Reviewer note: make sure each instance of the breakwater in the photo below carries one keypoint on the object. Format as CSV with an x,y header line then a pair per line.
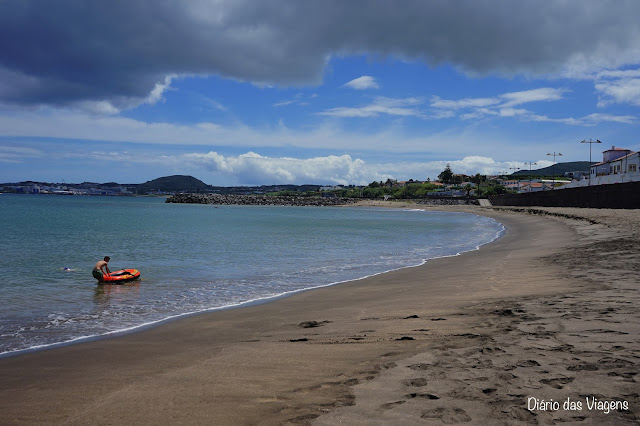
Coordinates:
x,y
258,200
448,201
266,200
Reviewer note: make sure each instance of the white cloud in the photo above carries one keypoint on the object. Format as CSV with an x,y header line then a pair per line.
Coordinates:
x,y
630,73
285,103
479,113
380,106
596,118
503,101
156,94
437,102
363,83
503,106
115,106
17,154
512,112
536,95
587,120
621,87
298,99
252,168
97,107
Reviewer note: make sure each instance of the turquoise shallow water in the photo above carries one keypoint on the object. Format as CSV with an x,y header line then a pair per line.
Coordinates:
x,y
193,258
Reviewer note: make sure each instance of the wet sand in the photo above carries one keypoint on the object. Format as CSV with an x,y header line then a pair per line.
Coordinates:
x,y
549,311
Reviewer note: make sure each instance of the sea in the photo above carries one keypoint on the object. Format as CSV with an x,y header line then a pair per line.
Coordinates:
x,y
193,258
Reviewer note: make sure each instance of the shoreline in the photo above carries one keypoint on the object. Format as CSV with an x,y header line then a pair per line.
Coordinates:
x,y
343,353
247,303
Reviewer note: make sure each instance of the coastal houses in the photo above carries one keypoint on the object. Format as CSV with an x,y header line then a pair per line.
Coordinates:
x,y
618,165
534,186
522,186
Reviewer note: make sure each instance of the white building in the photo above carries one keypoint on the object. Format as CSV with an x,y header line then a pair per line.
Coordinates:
x,y
618,165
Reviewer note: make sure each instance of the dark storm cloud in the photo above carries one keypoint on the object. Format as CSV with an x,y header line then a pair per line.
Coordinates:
x,y
68,51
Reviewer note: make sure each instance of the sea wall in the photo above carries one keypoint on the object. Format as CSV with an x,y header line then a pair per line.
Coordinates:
x,y
258,200
448,201
617,196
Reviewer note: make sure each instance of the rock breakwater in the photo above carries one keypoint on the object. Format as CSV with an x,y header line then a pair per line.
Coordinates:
x,y
258,200
448,201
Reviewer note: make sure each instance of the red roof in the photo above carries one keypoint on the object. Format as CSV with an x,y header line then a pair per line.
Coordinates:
x,y
617,159
616,149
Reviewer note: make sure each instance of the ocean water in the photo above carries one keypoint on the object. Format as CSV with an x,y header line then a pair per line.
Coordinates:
x,y
193,258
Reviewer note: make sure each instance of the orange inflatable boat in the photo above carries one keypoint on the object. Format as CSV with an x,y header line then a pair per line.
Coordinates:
x,y
121,276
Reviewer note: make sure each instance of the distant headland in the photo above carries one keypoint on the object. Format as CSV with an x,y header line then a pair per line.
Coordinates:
x,y
167,185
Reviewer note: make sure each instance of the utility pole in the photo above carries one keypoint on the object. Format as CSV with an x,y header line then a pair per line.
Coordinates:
x,y
530,163
590,142
553,168
517,182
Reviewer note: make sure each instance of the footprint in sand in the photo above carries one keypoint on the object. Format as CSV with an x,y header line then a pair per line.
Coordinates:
x,y
583,367
611,362
418,382
628,375
312,324
306,418
448,415
387,365
506,377
557,382
489,351
617,348
419,367
602,330
528,363
422,395
562,348
390,405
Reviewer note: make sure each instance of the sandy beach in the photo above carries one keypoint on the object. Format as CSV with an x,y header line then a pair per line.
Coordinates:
x,y
539,327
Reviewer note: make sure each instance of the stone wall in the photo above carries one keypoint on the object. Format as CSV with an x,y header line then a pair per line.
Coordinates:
x,y
616,196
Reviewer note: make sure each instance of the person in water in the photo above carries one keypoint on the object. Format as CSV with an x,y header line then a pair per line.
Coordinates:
x,y
101,269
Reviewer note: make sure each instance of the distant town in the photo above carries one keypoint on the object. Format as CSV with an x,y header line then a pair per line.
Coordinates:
x,y
453,185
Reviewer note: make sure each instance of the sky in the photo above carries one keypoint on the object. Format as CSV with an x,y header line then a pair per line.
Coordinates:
x,y
238,92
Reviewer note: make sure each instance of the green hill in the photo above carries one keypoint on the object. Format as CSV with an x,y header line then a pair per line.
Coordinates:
x,y
176,183
558,170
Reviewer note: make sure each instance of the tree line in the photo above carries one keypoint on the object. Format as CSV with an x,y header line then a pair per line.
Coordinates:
x,y
479,185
